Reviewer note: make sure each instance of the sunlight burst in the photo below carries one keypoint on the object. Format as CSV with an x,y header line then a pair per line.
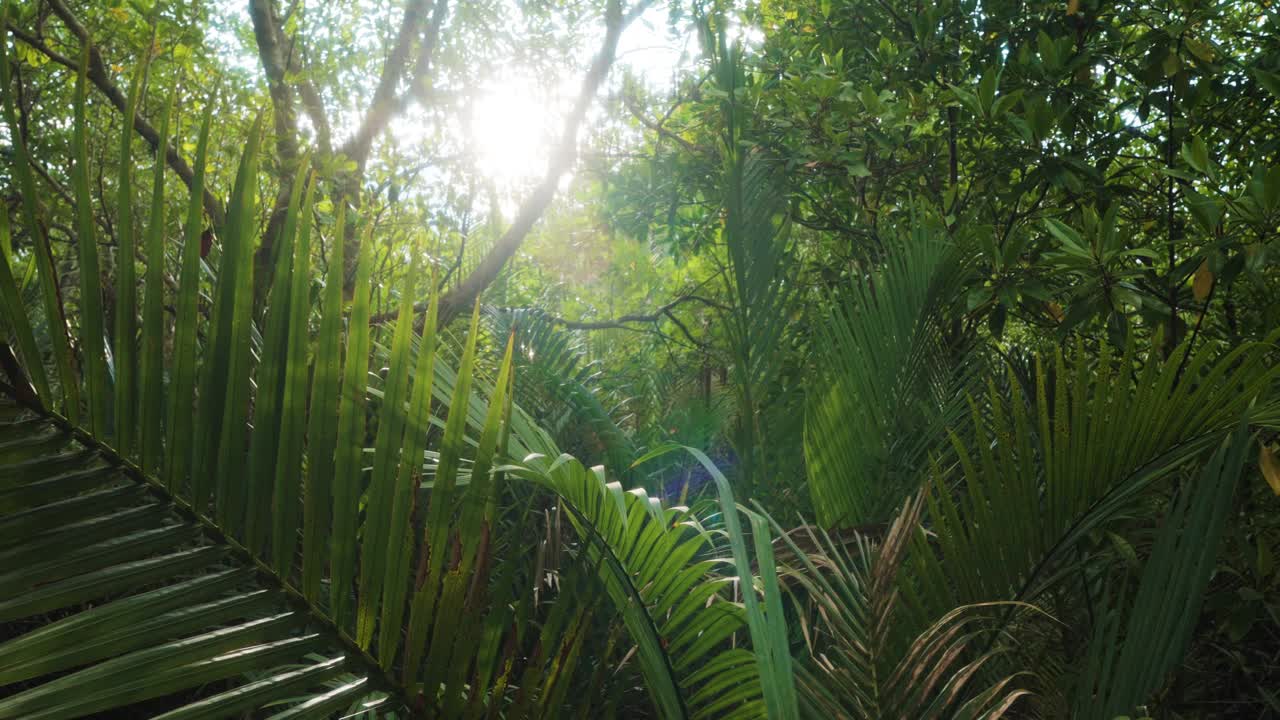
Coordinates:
x,y
510,131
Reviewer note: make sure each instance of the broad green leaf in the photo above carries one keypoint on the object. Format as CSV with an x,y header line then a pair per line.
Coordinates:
x,y
286,504
440,509
1070,239
18,321
125,625
254,501
1196,154
43,261
259,693
348,475
386,461
219,427
101,583
400,543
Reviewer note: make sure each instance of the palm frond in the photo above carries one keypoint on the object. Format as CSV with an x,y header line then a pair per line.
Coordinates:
x,y
889,390
1126,667
856,667
50,294
1040,476
654,562
126,320
756,236
202,579
555,381
143,597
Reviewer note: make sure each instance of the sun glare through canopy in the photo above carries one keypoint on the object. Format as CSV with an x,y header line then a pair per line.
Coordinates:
x,y
510,130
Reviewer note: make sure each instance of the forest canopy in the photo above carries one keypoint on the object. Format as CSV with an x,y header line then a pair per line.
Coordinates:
x,y
620,358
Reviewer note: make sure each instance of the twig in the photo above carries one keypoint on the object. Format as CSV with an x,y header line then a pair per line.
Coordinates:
x,y
101,80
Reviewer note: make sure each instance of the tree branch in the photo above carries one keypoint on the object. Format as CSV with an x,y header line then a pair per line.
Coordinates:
x,y
101,80
385,102
418,82
386,105
659,126
655,316
276,62
312,104
464,294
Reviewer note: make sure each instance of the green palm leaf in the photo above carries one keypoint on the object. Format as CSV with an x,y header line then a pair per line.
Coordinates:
x,y
188,586
855,665
1122,674
126,320
886,391
92,337
1019,500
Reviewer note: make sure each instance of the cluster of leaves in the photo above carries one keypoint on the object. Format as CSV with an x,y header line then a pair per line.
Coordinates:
x,y
200,496
970,188
987,290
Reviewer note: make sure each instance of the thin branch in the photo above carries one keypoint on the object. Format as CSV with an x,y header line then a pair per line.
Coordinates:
x,y
277,61
655,316
562,158
422,67
385,101
684,329
101,80
659,126
625,322
312,103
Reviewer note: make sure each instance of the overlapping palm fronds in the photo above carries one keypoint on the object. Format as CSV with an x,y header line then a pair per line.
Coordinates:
x,y
1040,476
857,666
555,380
241,537
1129,659
1014,494
1010,520
755,235
889,388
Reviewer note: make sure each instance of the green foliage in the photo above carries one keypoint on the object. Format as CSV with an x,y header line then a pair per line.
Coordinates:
x,y
757,258
1169,592
987,291
1039,477
196,581
889,390
854,665
43,259
555,382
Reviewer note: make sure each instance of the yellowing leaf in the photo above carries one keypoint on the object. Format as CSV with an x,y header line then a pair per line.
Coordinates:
x,y
1073,7
1199,48
1270,468
119,13
1203,281
1055,310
